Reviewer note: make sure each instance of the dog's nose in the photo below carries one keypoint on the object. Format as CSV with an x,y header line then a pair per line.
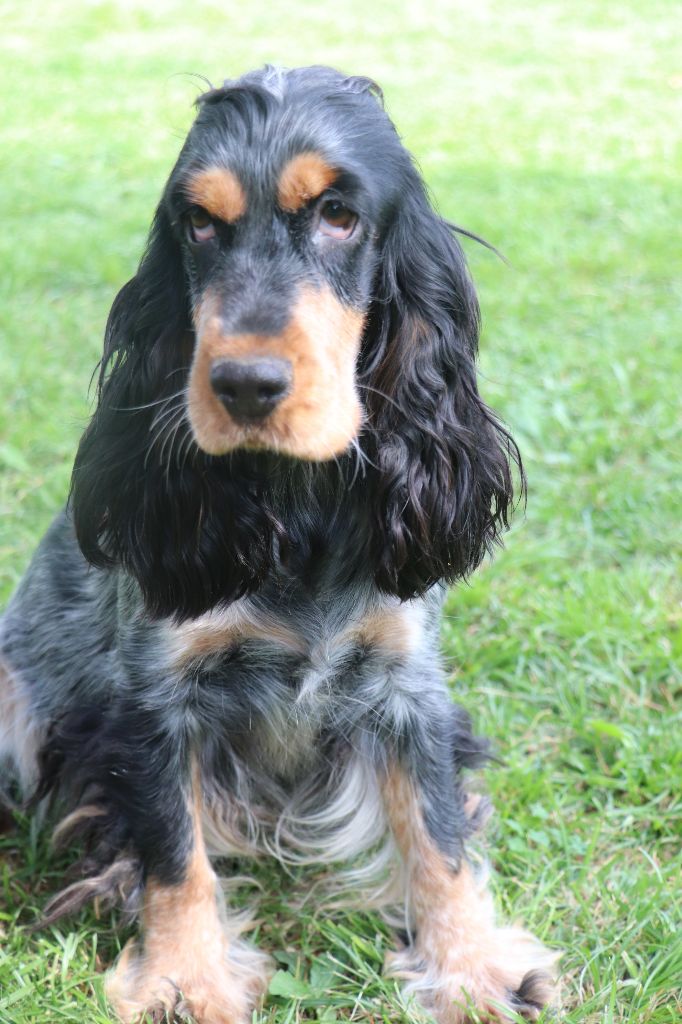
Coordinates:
x,y
251,388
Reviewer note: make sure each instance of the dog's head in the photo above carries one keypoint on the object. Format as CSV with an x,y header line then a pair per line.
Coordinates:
x,y
299,297
278,201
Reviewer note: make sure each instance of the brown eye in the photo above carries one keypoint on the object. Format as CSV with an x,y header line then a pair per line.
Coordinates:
x,y
336,220
200,226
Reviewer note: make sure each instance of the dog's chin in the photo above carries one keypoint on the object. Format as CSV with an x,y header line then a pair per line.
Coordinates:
x,y
263,439
302,429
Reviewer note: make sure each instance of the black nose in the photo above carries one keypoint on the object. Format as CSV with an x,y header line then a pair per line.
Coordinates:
x,y
251,388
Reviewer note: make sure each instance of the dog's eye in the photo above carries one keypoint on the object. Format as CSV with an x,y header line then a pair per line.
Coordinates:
x,y
200,227
336,220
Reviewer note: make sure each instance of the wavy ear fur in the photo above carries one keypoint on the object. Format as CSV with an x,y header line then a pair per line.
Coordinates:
x,y
142,495
144,331
196,530
443,487
143,339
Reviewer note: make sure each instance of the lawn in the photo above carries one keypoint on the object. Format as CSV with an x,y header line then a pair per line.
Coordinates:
x,y
552,129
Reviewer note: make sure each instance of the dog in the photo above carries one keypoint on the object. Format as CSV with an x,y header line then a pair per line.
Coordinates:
x,y
227,643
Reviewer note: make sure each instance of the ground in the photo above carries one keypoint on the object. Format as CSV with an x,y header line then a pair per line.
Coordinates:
x,y
551,129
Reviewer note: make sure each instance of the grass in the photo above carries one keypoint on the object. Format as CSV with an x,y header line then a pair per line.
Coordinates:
x,y
550,129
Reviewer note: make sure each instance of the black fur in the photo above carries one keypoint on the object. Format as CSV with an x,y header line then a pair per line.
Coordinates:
x,y
313,691
436,486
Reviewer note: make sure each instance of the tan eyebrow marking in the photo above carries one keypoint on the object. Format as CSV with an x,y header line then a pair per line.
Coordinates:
x,y
305,177
219,192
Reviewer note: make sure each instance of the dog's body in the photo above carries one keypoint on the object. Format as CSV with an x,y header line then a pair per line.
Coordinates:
x,y
230,638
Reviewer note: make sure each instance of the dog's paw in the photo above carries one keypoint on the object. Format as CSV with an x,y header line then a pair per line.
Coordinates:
x,y
508,974
207,986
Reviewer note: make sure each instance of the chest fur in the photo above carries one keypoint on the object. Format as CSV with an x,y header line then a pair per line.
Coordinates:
x,y
280,672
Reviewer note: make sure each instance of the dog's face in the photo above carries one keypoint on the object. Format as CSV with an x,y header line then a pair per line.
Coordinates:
x,y
278,216
300,334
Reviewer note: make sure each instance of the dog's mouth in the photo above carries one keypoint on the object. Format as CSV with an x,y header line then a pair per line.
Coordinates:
x,y
293,393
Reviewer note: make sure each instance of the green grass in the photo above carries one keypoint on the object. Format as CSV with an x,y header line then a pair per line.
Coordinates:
x,y
551,129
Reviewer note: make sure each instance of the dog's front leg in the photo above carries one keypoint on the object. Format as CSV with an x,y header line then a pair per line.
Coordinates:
x,y
458,962
189,956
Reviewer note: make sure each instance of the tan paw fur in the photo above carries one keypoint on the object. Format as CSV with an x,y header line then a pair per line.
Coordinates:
x,y
216,985
513,975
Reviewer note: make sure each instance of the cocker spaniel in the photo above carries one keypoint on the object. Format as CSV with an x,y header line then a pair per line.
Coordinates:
x,y
227,644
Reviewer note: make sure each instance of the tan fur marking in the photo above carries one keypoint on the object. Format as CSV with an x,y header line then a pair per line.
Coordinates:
x,y
466,958
302,179
321,415
394,629
217,631
219,192
190,959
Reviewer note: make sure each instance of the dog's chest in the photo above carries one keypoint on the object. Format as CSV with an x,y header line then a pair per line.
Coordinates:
x,y
283,670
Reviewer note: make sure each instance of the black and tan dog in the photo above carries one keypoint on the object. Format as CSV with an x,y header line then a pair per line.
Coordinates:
x,y
228,642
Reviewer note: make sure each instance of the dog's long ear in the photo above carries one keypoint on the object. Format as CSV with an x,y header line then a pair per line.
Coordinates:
x,y
144,352
443,480
188,528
